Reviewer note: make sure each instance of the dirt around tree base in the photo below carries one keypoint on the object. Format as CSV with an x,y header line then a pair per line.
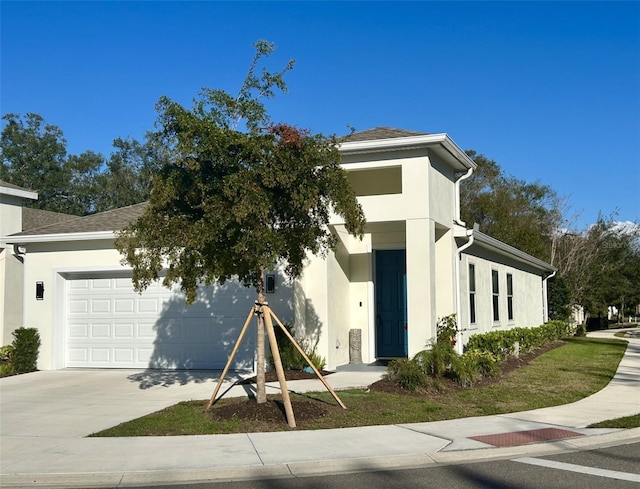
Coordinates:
x,y
271,412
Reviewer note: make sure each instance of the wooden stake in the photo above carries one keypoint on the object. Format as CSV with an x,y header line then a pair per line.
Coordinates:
x,y
275,352
304,355
233,354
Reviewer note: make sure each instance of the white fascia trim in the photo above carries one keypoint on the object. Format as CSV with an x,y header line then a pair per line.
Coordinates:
x,y
410,142
49,238
505,249
25,194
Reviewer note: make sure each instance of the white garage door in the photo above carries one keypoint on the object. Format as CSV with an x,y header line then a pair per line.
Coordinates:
x,y
110,325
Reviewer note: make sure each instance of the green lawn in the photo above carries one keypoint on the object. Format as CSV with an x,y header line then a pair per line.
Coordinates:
x,y
566,374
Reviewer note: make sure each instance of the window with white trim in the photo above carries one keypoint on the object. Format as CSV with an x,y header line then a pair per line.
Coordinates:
x,y
472,293
495,290
510,296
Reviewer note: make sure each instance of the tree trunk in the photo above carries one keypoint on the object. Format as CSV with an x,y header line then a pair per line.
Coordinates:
x,y
261,387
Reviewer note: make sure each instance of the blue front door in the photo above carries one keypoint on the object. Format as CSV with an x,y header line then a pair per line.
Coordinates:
x,y
391,303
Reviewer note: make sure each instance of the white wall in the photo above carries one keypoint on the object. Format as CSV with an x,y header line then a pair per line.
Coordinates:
x,y
51,263
11,280
527,295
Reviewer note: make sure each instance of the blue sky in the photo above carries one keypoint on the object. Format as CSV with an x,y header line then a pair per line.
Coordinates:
x,y
549,90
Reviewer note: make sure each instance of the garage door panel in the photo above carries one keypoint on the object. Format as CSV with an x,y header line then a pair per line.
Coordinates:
x,y
111,325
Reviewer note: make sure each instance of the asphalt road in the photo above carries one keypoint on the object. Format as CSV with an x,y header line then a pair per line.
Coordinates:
x,y
614,468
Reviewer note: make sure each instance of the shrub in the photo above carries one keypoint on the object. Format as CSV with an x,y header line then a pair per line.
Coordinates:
x,y
487,364
6,360
407,373
6,354
502,343
436,360
289,354
465,370
26,344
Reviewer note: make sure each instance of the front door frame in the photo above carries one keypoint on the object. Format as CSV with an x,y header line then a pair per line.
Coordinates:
x,y
401,349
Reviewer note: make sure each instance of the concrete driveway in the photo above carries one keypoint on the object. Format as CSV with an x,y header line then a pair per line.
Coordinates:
x,y
74,403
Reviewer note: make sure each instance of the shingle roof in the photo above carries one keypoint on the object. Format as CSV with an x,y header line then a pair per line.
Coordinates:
x,y
380,133
37,218
14,187
112,220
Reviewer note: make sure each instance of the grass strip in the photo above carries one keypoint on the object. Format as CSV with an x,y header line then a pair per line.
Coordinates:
x,y
579,368
625,422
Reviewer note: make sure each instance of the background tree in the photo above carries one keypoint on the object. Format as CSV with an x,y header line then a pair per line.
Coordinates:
x,y
238,195
601,266
524,215
126,178
34,156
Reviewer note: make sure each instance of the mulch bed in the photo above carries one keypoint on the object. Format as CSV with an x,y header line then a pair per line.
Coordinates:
x,y
445,384
271,415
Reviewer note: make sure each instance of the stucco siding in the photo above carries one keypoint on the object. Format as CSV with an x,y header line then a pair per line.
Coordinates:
x,y
441,191
66,261
528,310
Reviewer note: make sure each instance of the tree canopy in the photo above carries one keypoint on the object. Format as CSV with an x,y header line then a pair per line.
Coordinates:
x,y
34,156
235,203
522,214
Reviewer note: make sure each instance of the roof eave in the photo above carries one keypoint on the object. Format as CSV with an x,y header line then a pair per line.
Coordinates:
x,y
24,194
508,250
60,237
447,147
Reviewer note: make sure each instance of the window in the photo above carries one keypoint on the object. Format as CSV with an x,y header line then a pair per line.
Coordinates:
x,y
472,293
510,296
495,288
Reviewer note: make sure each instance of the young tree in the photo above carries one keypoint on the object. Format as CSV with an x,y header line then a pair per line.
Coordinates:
x,y
238,195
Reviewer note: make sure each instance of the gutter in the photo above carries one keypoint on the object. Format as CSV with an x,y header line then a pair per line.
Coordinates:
x,y
470,235
545,295
458,219
49,238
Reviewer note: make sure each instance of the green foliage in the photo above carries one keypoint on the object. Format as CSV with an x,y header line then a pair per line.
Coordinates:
x,y
6,353
559,299
26,345
289,354
524,215
408,373
231,203
436,360
34,156
447,329
6,360
501,344
601,265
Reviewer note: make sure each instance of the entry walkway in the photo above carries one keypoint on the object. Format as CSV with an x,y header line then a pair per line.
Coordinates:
x,y
46,416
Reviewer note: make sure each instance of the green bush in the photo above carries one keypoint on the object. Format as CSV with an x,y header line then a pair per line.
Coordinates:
x,y
436,360
407,373
6,360
289,354
26,344
501,344
6,354
465,370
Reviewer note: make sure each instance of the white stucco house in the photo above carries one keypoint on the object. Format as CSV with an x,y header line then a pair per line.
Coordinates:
x,y
417,263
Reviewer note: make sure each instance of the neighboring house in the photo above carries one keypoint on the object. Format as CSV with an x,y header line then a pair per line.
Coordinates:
x,y
417,263
14,218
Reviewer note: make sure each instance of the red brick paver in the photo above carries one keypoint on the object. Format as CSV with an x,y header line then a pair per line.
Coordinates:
x,y
523,437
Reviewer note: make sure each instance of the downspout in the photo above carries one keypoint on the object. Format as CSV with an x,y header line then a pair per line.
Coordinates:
x,y
545,298
457,190
459,251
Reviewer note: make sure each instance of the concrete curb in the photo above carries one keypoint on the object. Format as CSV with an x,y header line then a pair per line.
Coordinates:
x,y
309,469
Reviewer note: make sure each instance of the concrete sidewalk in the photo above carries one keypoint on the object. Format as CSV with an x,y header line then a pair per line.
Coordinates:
x,y
46,417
